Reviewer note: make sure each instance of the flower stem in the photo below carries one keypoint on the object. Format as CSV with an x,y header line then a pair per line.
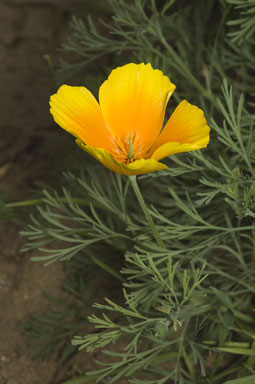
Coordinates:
x,y
146,211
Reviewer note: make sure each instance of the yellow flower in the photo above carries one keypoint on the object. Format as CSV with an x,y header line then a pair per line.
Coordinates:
x,y
123,131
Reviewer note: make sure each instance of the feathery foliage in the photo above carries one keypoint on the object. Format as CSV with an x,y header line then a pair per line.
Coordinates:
x,y
186,314
246,23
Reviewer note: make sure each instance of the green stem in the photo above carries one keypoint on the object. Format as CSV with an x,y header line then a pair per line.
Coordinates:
x,y
243,316
26,203
62,199
188,363
228,344
146,211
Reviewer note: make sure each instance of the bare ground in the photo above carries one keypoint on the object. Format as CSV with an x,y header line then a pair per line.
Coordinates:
x,y
28,153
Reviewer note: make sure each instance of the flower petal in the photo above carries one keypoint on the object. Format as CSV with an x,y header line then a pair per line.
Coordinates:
x,y
77,111
169,149
133,101
187,127
138,167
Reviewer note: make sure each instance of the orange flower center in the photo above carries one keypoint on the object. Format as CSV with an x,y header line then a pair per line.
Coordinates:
x,y
127,149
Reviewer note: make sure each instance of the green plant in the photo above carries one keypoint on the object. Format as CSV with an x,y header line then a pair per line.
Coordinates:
x,y
186,314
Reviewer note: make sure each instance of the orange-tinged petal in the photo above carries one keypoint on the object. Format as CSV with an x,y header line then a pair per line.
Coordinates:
x,y
77,111
138,167
186,130
133,102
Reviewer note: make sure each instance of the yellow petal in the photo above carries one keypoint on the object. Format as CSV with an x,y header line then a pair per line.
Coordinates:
x,y
169,149
133,102
187,125
76,110
138,167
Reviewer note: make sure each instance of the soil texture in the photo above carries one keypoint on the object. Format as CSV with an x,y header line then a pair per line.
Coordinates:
x,y
30,33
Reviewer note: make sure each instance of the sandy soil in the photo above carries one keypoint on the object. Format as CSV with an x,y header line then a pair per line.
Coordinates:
x,y
28,150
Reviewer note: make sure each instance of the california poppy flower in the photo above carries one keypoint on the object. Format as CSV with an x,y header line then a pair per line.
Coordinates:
x,y
124,130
